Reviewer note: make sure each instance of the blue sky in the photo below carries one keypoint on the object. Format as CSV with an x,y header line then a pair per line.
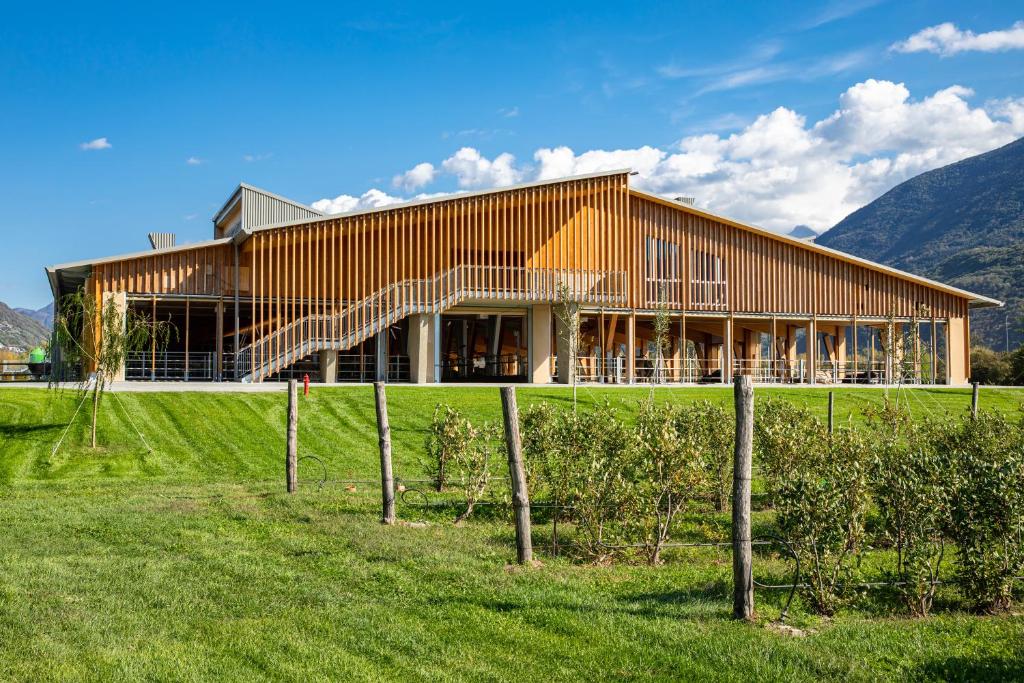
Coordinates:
x,y
778,113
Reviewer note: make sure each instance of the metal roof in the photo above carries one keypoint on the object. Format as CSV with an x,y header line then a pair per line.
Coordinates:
x,y
435,200
260,207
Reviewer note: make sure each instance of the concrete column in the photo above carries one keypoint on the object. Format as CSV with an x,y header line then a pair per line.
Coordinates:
x,y
421,348
841,331
328,366
121,302
382,355
631,348
540,344
958,353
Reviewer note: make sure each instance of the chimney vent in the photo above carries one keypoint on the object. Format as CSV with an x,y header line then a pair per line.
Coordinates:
x,y
689,201
161,240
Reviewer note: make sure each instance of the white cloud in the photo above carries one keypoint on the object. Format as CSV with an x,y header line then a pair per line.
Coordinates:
x,y
98,143
946,39
472,169
780,170
417,176
343,203
509,112
251,158
194,161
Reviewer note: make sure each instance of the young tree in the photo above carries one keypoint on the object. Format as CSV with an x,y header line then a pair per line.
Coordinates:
x,y
101,336
568,312
662,325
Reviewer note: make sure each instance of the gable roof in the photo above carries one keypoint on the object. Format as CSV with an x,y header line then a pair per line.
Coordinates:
x,y
974,300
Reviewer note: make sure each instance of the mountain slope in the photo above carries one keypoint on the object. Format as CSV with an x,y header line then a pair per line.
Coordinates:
x,y
962,224
17,329
43,315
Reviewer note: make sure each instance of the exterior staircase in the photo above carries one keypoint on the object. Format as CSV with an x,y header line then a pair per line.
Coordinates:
x,y
361,320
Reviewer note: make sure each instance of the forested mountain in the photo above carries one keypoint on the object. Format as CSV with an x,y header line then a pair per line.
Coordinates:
x,y
962,224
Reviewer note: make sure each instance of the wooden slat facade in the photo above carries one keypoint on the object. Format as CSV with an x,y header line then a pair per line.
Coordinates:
x,y
333,282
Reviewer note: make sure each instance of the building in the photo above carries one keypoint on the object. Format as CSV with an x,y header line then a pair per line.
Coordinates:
x,y
470,287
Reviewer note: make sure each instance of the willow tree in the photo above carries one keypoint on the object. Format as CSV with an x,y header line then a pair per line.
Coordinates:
x,y
100,336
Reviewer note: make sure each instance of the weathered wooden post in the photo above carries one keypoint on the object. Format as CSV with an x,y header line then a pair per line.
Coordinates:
x,y
831,412
517,474
291,469
974,400
387,478
742,571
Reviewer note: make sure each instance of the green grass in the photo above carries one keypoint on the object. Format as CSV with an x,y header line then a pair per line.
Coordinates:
x,y
189,563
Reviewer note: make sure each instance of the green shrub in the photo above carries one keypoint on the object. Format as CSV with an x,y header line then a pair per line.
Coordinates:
x,y
818,484
449,436
985,476
911,489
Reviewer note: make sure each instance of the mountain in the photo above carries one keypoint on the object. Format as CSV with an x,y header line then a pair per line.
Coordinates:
x,y
43,315
961,224
18,329
802,232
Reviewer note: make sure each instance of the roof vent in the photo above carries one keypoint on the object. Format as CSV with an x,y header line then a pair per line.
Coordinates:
x,y
161,240
689,201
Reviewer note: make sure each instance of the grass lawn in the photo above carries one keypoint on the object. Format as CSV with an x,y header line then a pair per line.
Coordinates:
x,y
188,562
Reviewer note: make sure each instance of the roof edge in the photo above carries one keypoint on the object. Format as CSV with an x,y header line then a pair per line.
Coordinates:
x,y
974,300
138,254
241,235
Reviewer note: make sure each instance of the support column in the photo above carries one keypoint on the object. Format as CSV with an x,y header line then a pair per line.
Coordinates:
x,y
382,355
220,340
958,363
812,351
421,348
790,349
727,351
565,369
328,366
631,348
540,344
121,302
841,332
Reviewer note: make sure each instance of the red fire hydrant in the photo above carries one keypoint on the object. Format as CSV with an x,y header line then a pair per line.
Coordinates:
x,y
305,384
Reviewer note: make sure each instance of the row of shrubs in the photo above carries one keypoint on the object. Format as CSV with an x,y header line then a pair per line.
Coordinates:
x,y
928,490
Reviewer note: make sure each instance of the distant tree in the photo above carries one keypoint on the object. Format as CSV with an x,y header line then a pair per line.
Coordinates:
x,y
992,367
101,336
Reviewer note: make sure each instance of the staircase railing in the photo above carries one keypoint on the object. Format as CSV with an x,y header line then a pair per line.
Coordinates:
x,y
362,319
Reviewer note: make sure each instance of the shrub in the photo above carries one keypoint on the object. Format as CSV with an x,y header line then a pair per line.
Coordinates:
x,y
472,465
912,494
985,476
671,462
450,435
819,486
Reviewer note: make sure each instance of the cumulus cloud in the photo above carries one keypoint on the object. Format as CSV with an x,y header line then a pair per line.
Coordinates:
x,y
343,203
417,176
98,143
472,169
780,170
946,39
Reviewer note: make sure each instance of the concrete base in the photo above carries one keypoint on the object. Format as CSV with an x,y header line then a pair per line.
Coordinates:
x,y
540,344
422,332
328,367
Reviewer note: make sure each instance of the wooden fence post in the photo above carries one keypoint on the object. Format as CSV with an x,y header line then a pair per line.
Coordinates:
x,y
974,400
831,412
517,474
291,456
742,570
387,478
